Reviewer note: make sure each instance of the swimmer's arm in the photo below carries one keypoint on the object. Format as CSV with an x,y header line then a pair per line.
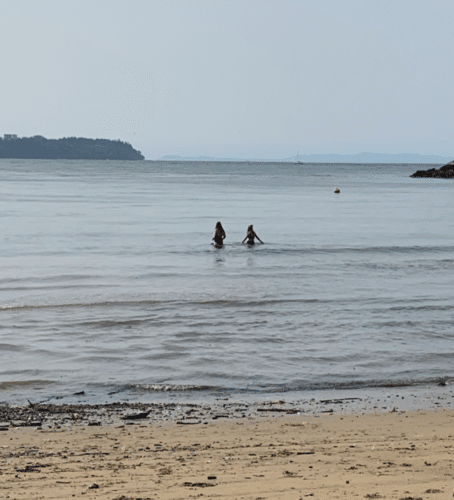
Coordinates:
x,y
244,239
259,239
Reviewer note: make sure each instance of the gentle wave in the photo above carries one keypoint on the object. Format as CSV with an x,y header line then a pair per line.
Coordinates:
x,y
80,304
225,303
281,388
302,388
271,248
22,384
171,388
232,303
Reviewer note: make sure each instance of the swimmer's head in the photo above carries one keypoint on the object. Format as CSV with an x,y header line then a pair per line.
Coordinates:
x,y
250,228
219,225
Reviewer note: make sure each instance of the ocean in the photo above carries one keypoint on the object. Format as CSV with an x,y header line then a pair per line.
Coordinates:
x,y
110,286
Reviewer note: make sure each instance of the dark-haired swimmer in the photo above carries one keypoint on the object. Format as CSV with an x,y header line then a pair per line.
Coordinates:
x,y
219,235
251,234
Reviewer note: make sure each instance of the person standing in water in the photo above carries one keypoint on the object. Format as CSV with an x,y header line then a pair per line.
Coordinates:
x,y
219,235
251,234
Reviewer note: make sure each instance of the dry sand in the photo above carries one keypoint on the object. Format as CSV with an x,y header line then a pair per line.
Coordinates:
x,y
394,455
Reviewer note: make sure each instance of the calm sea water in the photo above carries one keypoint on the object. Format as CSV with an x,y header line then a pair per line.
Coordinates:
x,y
109,282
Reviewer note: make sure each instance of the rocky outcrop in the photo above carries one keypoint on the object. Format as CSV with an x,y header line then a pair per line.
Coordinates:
x,y
445,172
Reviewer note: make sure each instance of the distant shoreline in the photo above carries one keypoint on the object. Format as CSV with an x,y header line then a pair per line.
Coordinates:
x,y
201,162
359,158
67,148
306,163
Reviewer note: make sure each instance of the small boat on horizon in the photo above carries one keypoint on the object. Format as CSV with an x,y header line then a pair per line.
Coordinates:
x,y
298,158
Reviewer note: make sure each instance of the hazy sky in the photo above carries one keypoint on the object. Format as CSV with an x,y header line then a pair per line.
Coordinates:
x,y
227,78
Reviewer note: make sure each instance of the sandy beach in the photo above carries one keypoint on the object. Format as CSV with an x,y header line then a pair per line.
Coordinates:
x,y
392,455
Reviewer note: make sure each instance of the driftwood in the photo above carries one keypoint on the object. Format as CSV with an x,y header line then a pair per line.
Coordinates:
x,y
136,416
283,410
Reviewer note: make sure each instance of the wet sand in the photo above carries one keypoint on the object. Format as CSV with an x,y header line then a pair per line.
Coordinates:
x,y
195,452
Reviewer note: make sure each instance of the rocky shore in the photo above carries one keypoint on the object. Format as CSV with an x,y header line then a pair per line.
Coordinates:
x,y
47,416
54,416
445,172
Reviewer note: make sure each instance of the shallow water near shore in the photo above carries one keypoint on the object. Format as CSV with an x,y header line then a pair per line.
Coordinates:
x,y
110,285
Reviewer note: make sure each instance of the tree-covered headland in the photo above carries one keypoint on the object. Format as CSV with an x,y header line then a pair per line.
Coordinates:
x,y
68,148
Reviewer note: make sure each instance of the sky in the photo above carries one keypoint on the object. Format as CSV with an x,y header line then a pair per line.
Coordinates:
x,y
228,78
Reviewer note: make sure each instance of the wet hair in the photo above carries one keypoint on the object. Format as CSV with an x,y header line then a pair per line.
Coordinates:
x,y
250,229
219,226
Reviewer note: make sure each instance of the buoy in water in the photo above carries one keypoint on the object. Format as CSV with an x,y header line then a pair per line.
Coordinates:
x,y
337,190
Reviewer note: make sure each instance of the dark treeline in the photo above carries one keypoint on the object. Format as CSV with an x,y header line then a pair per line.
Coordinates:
x,y
68,148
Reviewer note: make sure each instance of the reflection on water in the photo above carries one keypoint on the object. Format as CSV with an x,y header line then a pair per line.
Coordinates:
x,y
219,259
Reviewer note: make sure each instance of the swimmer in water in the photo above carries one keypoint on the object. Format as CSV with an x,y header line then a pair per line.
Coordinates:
x,y
251,234
219,235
